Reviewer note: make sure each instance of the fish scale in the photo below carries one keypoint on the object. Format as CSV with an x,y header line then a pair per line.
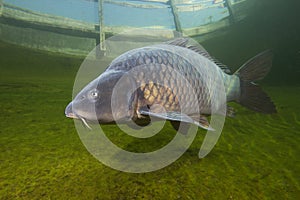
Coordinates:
x,y
180,77
169,77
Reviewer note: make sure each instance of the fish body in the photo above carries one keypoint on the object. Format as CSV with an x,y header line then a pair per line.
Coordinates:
x,y
173,81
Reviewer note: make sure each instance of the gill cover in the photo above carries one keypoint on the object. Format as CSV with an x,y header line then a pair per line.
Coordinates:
x,y
124,98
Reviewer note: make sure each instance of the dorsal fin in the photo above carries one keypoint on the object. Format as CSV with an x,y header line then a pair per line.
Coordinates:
x,y
184,42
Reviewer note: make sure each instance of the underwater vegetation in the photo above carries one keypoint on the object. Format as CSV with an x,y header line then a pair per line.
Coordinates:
x,y
256,157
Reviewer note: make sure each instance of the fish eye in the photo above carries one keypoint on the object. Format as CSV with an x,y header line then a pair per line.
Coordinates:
x,y
94,94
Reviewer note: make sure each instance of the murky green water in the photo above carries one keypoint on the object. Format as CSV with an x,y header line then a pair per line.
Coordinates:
x,y
257,156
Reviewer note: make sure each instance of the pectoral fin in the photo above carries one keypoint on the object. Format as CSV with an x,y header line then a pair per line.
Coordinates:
x,y
180,117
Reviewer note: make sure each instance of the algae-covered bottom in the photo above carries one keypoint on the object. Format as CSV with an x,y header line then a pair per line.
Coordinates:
x,y
42,157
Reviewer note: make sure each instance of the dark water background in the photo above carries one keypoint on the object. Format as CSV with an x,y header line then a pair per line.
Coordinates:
x,y
272,25
257,156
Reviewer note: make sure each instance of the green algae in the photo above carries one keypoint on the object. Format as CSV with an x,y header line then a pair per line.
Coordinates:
x,y
42,157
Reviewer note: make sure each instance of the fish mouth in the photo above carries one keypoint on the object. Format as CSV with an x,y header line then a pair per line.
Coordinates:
x,y
69,113
72,115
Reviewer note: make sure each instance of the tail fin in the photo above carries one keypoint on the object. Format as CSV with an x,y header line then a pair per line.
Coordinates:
x,y
252,96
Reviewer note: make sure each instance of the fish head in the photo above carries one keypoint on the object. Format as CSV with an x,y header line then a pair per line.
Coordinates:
x,y
98,102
